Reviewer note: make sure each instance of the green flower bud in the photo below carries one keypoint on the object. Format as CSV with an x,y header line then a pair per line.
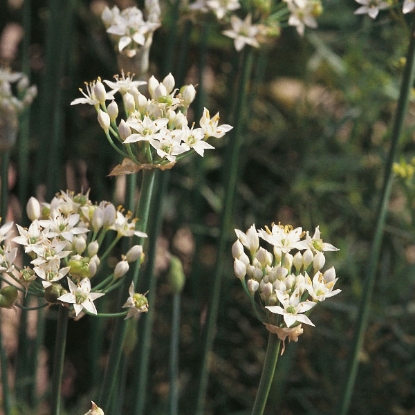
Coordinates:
x,y
79,268
176,275
8,296
53,292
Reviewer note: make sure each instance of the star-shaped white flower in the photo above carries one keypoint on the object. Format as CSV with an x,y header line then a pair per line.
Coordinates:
x,y
316,244
283,237
302,14
371,7
81,297
147,129
221,7
210,125
292,309
243,31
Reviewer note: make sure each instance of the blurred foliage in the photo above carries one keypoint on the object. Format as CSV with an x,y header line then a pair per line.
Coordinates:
x,y
314,147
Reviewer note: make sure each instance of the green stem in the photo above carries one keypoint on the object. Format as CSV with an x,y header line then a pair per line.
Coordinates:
x,y
372,269
230,186
270,363
174,356
58,359
116,348
4,375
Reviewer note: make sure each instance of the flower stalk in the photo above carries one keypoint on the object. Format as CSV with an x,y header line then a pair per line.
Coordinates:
x,y
372,268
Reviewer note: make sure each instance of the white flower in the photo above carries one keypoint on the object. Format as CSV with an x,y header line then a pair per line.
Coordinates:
x,y
283,237
193,138
408,6
90,97
136,303
302,14
221,7
63,226
124,227
51,271
210,125
316,244
31,237
7,259
167,146
6,231
249,239
95,410
371,7
322,285
123,83
292,308
147,129
243,32
81,297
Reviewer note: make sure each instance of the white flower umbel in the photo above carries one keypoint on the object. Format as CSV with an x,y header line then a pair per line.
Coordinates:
x,y
284,285
371,7
155,131
81,297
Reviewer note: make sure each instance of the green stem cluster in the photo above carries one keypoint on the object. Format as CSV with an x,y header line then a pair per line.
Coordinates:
x,y
372,269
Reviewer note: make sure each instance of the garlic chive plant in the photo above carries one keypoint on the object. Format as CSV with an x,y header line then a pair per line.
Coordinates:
x,y
65,244
153,132
284,284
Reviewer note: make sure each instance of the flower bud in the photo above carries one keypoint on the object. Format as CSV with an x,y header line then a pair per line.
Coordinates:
x,y
93,248
95,409
160,91
8,296
33,209
79,267
79,244
124,130
288,261
264,257
134,253
152,85
277,254
53,292
176,275
239,269
298,261
318,261
129,103
329,275
188,93
121,269
112,110
267,289
92,268
253,286
237,249
97,219
99,92
307,257
104,120
110,215
168,82
281,273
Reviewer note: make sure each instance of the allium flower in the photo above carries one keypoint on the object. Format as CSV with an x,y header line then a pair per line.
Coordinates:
x,y
222,7
371,7
243,31
210,125
136,303
408,6
128,28
81,297
303,13
6,231
95,410
286,284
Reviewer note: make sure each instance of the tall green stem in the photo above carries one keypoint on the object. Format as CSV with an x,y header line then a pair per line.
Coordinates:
x,y
230,186
268,370
111,372
4,196
363,316
58,359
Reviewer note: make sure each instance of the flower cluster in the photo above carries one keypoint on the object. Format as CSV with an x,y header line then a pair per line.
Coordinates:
x,y
286,284
65,244
15,95
155,131
372,7
297,13
128,29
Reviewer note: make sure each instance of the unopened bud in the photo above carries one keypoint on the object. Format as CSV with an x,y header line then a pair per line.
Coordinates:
x,y
104,120
112,110
8,295
253,286
318,261
95,410
99,92
79,244
129,103
124,130
93,248
168,82
33,209
121,269
134,253
176,275
237,249
239,269
160,91
298,261
152,85
188,93
53,292
307,257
